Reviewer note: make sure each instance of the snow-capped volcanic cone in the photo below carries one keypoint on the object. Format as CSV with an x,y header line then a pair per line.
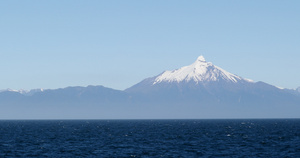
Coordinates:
x,y
199,71
200,75
203,82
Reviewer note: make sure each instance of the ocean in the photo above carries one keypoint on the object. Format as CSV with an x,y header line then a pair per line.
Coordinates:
x,y
150,138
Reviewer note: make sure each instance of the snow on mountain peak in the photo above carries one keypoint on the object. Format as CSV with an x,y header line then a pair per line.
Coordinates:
x,y
201,58
199,71
22,91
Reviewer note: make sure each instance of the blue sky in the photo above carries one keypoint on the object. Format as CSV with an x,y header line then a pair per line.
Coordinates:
x,y
60,43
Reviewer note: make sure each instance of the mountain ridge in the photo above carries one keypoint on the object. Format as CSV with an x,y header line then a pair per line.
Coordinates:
x,y
200,90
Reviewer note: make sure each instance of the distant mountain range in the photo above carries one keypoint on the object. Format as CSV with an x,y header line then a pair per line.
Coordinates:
x,y
200,90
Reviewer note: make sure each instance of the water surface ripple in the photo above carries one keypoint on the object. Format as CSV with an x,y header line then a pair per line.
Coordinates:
x,y
150,138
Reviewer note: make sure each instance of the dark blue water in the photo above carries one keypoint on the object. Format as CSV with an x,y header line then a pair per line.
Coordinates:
x,y
150,138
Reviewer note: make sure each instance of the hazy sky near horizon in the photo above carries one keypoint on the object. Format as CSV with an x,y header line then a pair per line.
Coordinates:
x,y
60,43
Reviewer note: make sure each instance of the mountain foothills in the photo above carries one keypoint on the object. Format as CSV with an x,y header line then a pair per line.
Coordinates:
x,y
200,90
